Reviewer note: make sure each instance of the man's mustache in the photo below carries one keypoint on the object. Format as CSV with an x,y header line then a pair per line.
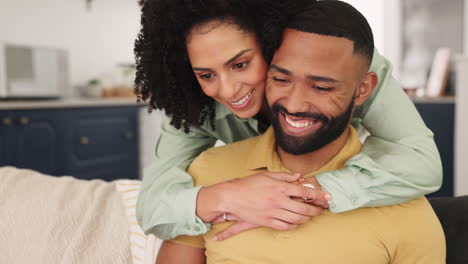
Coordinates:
x,y
318,116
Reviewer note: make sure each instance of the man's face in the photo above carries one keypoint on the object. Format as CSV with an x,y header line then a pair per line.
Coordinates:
x,y
312,84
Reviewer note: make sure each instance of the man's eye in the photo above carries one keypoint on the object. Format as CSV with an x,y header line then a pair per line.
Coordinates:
x,y
240,65
322,89
206,76
280,80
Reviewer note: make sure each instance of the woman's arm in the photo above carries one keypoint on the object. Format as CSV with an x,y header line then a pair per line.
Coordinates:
x,y
399,160
169,205
165,205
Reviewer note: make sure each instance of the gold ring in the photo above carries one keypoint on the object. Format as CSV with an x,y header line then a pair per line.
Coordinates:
x,y
308,185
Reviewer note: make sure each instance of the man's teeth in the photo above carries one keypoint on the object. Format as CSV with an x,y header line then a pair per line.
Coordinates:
x,y
298,124
243,99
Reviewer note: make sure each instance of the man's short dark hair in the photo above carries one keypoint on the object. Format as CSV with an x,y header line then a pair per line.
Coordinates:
x,y
337,19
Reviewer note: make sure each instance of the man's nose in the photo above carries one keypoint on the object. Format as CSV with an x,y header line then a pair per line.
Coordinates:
x,y
296,101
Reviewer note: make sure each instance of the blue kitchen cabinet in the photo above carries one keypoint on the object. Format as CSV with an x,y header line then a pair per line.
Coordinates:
x,y
102,143
87,143
35,140
5,123
29,140
440,118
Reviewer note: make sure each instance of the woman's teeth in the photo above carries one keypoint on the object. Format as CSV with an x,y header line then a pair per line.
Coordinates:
x,y
243,99
298,124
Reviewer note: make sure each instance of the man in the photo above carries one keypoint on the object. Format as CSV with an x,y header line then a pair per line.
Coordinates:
x,y
317,77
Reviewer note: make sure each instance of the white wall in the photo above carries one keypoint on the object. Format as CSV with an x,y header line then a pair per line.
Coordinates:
x,y
461,117
373,11
384,19
96,40
461,128
149,134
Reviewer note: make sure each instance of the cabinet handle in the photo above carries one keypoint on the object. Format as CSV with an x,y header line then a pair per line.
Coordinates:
x,y
24,120
84,140
128,135
6,122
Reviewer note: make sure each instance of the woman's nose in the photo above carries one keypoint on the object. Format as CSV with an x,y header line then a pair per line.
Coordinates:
x,y
228,88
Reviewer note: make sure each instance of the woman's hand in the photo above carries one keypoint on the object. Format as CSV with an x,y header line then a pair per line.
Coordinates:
x,y
241,226
233,230
263,199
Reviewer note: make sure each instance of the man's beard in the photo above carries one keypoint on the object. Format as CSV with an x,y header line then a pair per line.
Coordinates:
x,y
330,130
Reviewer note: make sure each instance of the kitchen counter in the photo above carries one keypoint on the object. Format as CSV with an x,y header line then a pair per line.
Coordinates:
x,y
69,103
434,100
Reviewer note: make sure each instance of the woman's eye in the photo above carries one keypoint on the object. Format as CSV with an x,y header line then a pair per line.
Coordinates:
x,y
240,65
206,76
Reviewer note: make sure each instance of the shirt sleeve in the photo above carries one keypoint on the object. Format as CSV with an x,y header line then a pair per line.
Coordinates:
x,y
166,205
399,160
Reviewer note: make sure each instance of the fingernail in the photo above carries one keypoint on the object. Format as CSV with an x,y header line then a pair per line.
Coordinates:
x,y
215,238
296,174
327,196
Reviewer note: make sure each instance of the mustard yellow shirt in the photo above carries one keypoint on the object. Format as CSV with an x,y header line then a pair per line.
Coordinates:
x,y
406,233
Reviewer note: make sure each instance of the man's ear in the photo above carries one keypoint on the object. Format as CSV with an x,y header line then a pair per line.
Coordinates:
x,y
366,87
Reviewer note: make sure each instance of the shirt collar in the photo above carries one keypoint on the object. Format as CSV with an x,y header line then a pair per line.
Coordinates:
x,y
222,111
264,155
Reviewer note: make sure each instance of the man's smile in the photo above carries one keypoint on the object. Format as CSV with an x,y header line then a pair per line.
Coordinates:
x,y
298,125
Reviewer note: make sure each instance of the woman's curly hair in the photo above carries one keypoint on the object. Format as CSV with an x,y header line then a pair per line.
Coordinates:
x,y
164,74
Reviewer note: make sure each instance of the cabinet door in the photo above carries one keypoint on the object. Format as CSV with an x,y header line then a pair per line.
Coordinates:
x,y
103,143
439,117
5,127
35,142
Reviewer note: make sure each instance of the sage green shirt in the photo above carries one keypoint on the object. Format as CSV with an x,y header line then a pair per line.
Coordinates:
x,y
399,161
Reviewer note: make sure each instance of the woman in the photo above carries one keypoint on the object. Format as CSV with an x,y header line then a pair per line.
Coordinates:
x,y
204,62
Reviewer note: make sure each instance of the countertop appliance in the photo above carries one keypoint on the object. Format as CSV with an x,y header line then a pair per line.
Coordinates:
x,y
28,72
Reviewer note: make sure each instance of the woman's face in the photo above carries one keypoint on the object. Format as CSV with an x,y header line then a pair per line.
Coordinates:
x,y
229,66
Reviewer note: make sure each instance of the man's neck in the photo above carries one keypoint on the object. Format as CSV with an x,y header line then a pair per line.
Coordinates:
x,y
313,161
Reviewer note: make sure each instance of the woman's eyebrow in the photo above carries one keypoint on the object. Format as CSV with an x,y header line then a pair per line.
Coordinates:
x,y
201,69
240,53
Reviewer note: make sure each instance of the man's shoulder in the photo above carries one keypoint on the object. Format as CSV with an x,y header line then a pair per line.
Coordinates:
x,y
410,210
414,218
416,226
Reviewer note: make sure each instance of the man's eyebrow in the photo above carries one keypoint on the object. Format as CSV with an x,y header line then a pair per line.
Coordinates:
x,y
310,77
321,79
240,53
281,70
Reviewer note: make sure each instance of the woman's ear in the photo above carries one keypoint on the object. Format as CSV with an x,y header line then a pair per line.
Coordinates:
x,y
366,87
